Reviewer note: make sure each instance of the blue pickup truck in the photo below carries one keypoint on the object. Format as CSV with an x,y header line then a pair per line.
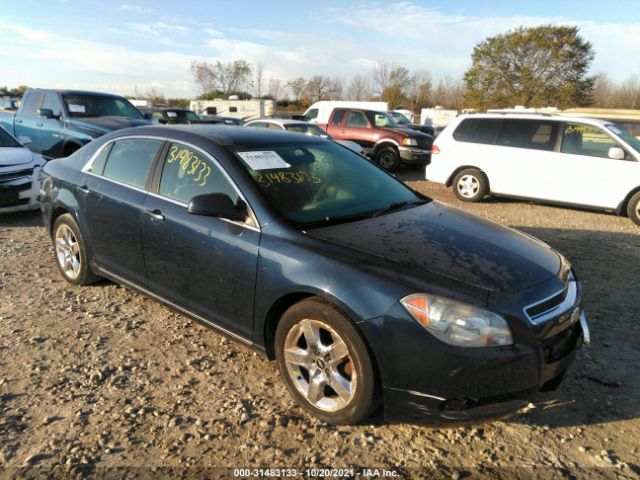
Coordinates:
x,y
55,123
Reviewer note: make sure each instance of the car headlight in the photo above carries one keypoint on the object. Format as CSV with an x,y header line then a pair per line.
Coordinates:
x,y
458,323
410,141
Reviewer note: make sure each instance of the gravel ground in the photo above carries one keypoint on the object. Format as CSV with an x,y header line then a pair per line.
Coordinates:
x,y
100,381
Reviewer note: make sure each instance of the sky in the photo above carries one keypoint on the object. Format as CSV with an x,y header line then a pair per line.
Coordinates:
x,y
124,46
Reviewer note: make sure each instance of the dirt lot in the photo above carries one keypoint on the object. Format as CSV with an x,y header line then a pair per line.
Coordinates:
x,y
102,381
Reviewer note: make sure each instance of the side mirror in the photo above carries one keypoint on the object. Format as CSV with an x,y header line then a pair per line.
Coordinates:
x,y
617,153
146,115
218,205
46,113
162,121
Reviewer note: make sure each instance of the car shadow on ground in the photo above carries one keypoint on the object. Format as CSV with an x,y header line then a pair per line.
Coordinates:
x,y
21,219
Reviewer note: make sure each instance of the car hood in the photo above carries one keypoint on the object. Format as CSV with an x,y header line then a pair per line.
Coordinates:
x,y
450,243
410,132
10,156
108,124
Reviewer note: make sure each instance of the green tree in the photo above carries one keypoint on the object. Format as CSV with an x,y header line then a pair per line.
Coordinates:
x,y
535,67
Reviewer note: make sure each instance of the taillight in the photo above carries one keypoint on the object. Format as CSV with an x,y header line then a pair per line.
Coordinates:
x,y
435,149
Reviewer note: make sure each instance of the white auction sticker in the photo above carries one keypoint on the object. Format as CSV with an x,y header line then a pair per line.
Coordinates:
x,y
172,114
73,108
267,160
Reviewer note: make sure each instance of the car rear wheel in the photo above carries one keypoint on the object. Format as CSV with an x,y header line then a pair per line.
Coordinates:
x,y
633,208
325,363
387,158
470,185
71,254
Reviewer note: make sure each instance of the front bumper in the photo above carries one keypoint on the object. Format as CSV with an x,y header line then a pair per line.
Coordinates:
x,y
428,381
415,155
19,189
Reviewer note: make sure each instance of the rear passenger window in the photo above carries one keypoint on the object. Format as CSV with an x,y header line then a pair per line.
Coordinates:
x,y
532,134
356,119
188,172
130,160
477,130
97,166
337,117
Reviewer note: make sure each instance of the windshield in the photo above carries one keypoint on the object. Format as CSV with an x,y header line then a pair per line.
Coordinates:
x,y
625,135
382,119
322,183
99,106
7,140
307,129
400,118
181,116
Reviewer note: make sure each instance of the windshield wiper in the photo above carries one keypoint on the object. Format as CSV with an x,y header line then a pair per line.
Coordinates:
x,y
395,206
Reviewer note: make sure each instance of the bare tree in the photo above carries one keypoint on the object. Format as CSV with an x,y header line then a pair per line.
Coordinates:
x,y
419,90
319,87
382,76
204,74
275,87
359,88
259,78
297,87
233,76
337,88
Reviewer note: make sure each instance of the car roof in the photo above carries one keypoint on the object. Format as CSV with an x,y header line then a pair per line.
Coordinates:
x,y
222,135
280,121
75,92
538,116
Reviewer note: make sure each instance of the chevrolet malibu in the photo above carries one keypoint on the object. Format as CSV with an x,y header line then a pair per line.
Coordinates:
x,y
365,292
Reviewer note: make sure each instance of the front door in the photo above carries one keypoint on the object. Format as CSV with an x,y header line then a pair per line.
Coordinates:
x,y
203,264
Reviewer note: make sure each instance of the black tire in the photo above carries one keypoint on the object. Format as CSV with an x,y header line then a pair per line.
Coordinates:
x,y
354,370
633,208
70,251
470,185
387,158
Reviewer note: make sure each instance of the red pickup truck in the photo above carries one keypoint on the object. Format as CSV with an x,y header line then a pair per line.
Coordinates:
x,y
381,137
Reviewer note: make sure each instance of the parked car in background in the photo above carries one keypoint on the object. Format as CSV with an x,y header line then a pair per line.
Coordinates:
x,y
19,170
8,103
568,160
217,119
381,137
178,116
301,127
56,123
363,291
320,112
404,122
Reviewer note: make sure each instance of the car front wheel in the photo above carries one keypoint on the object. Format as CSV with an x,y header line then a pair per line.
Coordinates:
x,y
388,158
325,363
470,185
71,253
633,209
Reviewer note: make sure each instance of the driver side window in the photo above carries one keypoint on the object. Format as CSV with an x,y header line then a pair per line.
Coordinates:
x,y
187,173
583,139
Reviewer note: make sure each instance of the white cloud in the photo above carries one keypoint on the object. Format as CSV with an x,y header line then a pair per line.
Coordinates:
x,y
136,9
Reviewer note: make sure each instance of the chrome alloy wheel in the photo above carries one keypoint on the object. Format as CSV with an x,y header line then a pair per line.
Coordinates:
x,y
468,186
319,363
68,251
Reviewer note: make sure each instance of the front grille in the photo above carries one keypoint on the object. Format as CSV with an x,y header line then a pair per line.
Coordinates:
x,y
562,344
425,143
15,174
551,307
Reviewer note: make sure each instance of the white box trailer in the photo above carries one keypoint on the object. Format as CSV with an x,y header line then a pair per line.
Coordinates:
x,y
320,112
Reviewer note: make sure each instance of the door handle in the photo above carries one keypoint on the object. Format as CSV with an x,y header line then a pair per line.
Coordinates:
x,y
155,215
39,124
84,189
18,120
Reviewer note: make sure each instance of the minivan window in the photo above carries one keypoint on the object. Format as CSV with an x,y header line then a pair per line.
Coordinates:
x,y
583,139
532,134
130,160
477,130
187,173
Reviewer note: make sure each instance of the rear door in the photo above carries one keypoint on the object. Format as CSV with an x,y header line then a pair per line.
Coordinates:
x,y
27,119
50,136
203,264
114,191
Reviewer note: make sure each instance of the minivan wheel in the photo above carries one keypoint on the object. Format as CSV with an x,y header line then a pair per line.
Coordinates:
x,y
470,185
388,158
325,363
633,208
71,254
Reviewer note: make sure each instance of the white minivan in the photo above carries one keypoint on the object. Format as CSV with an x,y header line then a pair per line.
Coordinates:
x,y
576,161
